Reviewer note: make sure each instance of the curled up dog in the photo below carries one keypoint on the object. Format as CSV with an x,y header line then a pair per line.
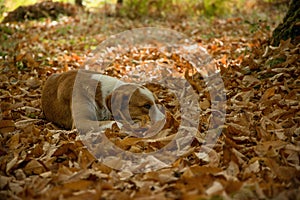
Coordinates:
x,y
97,101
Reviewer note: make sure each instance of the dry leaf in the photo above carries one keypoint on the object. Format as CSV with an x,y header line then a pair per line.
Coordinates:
x,y
34,167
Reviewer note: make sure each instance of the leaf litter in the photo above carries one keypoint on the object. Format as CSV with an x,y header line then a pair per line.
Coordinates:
x,y
256,156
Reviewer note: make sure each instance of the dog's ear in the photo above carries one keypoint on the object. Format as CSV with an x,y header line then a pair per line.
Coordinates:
x,y
108,102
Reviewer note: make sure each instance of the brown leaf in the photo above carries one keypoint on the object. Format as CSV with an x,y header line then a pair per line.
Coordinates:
x,y
85,158
14,141
282,172
6,126
270,148
34,167
33,83
78,185
268,93
4,180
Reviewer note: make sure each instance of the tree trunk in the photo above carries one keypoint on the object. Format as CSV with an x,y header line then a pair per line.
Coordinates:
x,y
118,7
78,3
290,27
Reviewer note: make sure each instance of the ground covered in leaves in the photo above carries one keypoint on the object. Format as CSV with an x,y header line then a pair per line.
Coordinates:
x,y
255,157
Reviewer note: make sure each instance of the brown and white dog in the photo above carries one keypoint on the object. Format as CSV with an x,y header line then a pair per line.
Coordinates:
x,y
95,100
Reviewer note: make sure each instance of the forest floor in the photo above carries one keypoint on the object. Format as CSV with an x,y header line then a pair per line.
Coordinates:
x,y
256,155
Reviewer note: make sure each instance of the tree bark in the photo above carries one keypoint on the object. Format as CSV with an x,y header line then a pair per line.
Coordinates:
x,y
78,3
290,27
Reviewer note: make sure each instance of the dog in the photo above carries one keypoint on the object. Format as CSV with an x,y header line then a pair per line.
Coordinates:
x,y
97,101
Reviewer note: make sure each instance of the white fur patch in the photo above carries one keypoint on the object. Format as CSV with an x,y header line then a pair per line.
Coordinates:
x,y
108,84
96,76
147,93
156,114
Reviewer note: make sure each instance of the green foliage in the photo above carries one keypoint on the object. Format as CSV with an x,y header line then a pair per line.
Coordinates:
x,y
94,4
5,30
20,65
152,8
2,9
276,61
221,7
188,7
141,8
12,5
32,115
162,8
7,6
258,26
270,1
213,7
64,30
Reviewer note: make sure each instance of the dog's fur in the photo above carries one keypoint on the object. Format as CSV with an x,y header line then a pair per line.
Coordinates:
x,y
92,100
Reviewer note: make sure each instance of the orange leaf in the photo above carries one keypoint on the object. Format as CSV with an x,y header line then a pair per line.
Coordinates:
x,y
268,93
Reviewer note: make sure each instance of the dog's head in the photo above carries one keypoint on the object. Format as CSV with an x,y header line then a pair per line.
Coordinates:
x,y
134,104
